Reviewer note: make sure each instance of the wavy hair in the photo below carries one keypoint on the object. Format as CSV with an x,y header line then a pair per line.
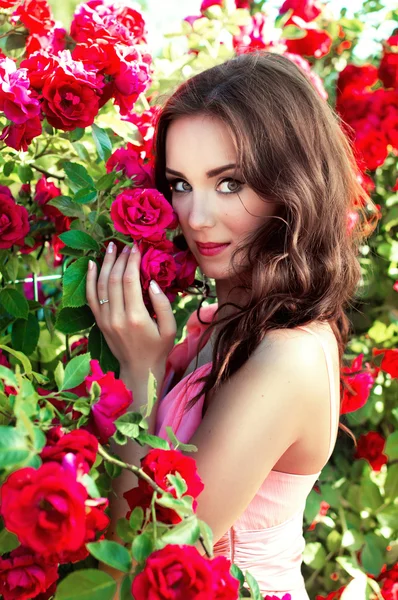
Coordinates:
x,y
291,150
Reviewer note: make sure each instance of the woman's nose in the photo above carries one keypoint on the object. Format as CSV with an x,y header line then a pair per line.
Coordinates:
x,y
201,214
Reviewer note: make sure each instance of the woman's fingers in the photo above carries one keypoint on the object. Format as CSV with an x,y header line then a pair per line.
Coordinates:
x,y
135,307
91,289
164,313
103,279
115,289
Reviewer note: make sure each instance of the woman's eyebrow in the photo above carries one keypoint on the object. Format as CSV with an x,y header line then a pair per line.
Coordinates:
x,y
211,173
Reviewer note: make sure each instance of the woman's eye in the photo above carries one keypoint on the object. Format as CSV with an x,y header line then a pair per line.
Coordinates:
x,y
179,185
229,186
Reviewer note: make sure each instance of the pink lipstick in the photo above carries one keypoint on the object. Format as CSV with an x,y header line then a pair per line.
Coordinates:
x,y
211,249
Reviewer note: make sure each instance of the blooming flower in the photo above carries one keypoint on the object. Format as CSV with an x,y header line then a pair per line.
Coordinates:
x,y
25,575
129,161
389,364
81,443
158,464
370,447
16,98
14,225
358,385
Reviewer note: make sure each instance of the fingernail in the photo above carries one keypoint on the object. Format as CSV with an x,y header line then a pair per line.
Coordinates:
x,y
154,287
110,247
134,249
126,249
90,264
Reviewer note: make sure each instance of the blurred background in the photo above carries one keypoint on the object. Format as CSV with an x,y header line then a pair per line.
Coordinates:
x,y
165,17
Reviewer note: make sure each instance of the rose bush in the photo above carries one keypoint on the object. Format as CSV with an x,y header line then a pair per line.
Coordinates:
x,y
77,116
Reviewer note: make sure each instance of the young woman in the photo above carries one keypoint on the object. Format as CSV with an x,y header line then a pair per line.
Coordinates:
x,y
262,178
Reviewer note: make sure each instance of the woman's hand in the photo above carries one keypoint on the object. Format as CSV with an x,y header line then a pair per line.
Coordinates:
x,y
138,342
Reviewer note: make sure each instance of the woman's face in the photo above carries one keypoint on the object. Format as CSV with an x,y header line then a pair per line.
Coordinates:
x,y
215,207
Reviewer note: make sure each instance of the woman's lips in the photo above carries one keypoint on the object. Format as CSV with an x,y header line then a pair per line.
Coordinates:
x,y
211,249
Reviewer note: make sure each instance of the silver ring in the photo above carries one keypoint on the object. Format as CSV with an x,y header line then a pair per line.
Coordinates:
x,y
103,301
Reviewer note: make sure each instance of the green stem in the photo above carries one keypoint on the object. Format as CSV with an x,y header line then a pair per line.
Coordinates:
x,y
47,173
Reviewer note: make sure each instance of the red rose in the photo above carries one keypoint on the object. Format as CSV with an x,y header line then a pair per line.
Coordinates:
x,y
96,523
186,269
158,464
158,263
70,93
25,575
308,10
20,136
113,402
358,385
79,442
370,447
389,364
14,225
389,580
45,508
35,15
358,77
388,68
336,595
175,572
317,42
143,214
225,586
129,161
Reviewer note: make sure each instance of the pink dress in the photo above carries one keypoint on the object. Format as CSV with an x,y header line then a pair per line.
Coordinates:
x,y
267,539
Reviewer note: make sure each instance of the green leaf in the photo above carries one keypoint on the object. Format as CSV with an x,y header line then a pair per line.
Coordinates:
x,y
100,350
76,370
13,447
73,320
106,181
20,356
67,207
79,240
238,574
25,173
128,424
350,565
372,556
292,32
333,541
176,443
14,303
178,484
186,532
8,376
25,334
314,555
8,168
102,142
87,584
8,541
111,553
254,588
352,539
125,588
85,196
142,546
124,531
136,518
90,486
356,588
78,176
207,535
153,441
388,517
74,283
391,448
183,506
59,374
76,134
370,494
391,484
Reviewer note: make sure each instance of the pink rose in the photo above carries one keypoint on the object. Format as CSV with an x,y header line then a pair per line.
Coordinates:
x,y
143,214
132,78
370,447
186,268
35,15
16,99
157,262
114,401
358,383
25,575
14,225
129,161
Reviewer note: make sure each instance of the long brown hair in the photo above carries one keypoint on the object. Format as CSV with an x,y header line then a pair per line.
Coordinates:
x,y
291,150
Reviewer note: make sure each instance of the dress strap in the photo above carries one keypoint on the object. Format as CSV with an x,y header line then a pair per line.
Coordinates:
x,y
334,417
